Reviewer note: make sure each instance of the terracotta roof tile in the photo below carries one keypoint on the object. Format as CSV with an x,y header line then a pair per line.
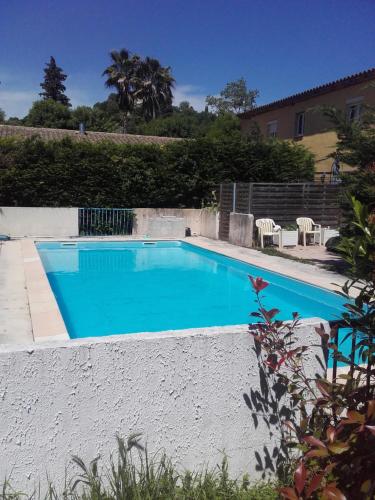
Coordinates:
x,y
56,134
364,76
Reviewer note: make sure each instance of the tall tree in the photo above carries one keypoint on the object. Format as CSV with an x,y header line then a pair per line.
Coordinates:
x,y
2,116
53,83
154,85
48,114
234,98
142,85
121,76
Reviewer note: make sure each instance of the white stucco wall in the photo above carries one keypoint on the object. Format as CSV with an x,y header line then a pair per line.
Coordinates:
x,y
183,390
18,222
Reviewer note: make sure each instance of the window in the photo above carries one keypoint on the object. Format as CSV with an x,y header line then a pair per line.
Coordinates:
x,y
272,129
353,109
300,124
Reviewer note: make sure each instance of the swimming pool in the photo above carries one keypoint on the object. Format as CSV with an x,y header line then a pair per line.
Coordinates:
x,y
106,288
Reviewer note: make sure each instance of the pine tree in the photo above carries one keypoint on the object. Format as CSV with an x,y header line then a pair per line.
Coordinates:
x,y
53,83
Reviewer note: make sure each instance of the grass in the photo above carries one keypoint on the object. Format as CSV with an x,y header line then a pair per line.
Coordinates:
x,y
339,267
134,475
276,253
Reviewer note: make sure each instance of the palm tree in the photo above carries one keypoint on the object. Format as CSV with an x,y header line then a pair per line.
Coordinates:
x,y
121,76
153,87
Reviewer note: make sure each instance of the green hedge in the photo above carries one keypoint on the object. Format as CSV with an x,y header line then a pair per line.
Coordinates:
x,y
180,174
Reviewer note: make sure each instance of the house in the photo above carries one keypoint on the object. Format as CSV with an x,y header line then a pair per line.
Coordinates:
x,y
300,118
57,134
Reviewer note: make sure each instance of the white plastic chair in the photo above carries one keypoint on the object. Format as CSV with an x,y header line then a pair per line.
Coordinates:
x,y
307,226
266,227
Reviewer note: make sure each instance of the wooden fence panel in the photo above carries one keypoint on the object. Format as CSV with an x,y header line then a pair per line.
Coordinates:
x,y
226,207
281,202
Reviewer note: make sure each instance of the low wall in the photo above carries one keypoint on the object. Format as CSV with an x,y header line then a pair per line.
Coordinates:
x,y
193,393
166,227
192,217
241,228
18,222
209,224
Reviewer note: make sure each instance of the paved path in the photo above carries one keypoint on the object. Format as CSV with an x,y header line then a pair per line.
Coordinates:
x,y
305,272
316,253
15,321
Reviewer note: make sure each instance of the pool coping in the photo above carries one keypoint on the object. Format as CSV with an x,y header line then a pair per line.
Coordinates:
x,y
46,318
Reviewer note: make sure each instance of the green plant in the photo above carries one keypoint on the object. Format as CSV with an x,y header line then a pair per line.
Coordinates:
x,y
140,84
53,87
355,147
333,424
291,227
132,474
211,203
180,174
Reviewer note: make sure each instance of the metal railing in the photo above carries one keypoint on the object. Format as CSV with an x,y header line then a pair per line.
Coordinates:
x,y
105,221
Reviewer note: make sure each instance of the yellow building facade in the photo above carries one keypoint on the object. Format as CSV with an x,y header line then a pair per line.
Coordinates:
x,y
300,117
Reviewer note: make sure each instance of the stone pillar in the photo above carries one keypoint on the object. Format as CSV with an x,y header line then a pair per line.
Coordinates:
x,y
241,229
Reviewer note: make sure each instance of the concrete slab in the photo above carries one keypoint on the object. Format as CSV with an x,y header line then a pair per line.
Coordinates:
x,y
15,321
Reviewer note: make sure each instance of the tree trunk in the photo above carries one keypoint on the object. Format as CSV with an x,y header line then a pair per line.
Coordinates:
x,y
124,123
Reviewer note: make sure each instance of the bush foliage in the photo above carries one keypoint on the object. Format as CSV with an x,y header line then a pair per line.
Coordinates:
x,y
180,174
333,419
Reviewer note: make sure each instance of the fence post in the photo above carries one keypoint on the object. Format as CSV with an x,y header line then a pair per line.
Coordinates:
x,y
250,196
234,196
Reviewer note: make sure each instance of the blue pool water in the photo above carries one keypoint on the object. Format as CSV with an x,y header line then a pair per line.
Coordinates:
x,y
106,288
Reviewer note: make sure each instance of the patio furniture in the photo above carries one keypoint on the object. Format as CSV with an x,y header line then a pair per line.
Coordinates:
x,y
328,233
266,227
308,227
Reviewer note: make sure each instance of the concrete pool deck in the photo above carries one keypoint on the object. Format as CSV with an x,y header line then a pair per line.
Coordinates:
x,y
28,308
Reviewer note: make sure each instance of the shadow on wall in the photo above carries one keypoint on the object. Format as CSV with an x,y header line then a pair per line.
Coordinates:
x,y
270,405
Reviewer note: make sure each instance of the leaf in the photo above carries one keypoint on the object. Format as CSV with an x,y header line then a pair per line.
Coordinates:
x,y
313,441
317,453
371,409
289,493
366,485
314,484
338,447
331,492
320,329
355,417
258,283
300,477
371,428
271,313
322,388
331,433
290,425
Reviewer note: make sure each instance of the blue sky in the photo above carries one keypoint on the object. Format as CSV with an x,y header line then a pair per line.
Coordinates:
x,y
279,46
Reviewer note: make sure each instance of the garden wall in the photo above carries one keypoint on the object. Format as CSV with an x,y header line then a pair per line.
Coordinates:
x,y
193,393
192,217
18,222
